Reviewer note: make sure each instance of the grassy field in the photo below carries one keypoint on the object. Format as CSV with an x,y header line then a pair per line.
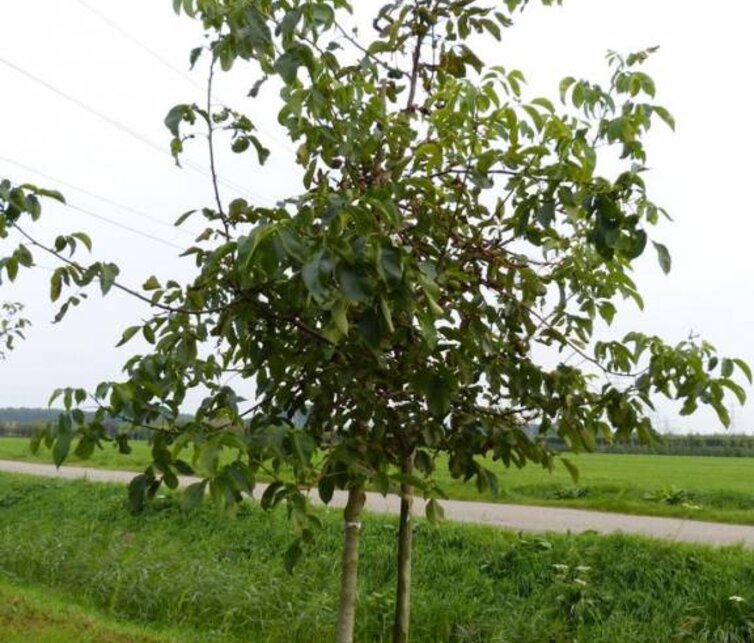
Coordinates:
x,y
700,487
28,615
222,578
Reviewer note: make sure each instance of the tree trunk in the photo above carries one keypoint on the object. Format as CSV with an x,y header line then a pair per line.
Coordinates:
x,y
347,608
403,593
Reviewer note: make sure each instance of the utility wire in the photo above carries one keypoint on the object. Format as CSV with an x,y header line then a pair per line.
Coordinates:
x,y
168,65
114,25
123,226
127,130
99,197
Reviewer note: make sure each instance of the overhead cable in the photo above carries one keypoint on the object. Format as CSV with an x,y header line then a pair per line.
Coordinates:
x,y
128,130
167,64
99,197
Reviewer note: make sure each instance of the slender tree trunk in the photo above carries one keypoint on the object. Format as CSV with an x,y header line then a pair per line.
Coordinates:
x,y
347,609
403,593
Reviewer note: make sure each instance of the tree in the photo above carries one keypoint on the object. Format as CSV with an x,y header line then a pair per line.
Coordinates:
x,y
452,246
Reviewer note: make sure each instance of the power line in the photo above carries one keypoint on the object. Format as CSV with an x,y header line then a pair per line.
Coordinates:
x,y
114,25
99,197
123,226
127,130
167,64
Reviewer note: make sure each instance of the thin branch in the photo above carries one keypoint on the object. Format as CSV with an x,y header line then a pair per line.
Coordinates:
x,y
546,323
211,144
117,284
366,52
415,64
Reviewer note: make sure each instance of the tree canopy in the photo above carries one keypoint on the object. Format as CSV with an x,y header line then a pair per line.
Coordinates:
x,y
452,245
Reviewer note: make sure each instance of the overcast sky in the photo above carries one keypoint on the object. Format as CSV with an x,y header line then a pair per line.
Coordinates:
x,y
133,68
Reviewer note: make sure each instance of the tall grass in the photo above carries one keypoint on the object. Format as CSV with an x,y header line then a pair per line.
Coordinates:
x,y
29,616
223,577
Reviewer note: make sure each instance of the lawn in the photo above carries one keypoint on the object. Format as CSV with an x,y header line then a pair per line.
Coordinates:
x,y
222,577
697,487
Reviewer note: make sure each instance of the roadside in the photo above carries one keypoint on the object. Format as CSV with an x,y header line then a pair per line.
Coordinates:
x,y
700,488
511,517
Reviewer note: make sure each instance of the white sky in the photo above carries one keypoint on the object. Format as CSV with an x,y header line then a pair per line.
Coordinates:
x,y
699,174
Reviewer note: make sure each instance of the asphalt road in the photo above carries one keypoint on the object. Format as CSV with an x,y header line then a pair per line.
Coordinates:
x,y
512,517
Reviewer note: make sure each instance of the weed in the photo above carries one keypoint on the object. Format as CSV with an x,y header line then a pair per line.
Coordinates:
x,y
724,619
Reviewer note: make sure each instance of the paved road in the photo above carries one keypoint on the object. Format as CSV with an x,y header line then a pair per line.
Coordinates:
x,y
513,517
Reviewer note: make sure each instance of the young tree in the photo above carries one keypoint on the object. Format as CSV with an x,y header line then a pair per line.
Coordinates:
x,y
452,245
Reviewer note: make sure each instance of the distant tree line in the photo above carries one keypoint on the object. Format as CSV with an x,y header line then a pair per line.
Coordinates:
x,y
726,445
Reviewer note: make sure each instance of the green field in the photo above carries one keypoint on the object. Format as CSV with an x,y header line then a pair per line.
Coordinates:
x,y
700,487
222,578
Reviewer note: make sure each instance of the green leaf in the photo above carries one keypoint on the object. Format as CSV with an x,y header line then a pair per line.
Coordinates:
x,y
128,334
565,84
423,462
435,512
391,263
292,555
271,495
744,368
339,314
572,469
387,315
85,448
722,414
193,495
175,117
240,145
137,492
663,256
354,283
287,66
665,115
326,487
56,284
735,389
152,284
195,53
312,277
183,217
107,275
62,447
84,238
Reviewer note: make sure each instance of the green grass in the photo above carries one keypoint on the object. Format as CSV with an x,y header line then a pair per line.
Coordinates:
x,y
31,615
107,458
711,488
222,577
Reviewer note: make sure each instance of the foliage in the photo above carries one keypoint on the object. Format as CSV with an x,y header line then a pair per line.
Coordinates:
x,y
451,237
11,326
398,302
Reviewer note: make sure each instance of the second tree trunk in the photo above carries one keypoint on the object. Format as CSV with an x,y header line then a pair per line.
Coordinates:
x,y
403,593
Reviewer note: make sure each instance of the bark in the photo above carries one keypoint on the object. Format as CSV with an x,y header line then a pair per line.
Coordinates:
x,y
347,608
403,593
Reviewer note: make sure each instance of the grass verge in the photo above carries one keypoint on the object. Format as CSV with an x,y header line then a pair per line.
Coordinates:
x,y
222,577
693,487
28,614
